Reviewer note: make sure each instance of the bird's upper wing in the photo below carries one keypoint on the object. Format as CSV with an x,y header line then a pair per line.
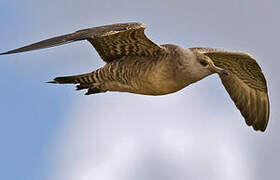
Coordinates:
x,y
245,84
110,41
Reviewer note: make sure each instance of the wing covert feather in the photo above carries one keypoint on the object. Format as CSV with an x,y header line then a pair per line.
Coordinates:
x,y
124,41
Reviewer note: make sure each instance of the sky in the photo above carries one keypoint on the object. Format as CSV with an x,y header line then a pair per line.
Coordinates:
x,y
53,132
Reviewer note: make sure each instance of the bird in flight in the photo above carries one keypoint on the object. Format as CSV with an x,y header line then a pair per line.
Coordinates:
x,y
135,64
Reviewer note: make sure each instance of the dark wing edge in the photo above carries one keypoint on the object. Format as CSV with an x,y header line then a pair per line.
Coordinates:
x,y
246,85
55,41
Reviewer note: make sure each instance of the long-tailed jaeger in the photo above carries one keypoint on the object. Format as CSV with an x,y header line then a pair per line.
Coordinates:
x,y
136,64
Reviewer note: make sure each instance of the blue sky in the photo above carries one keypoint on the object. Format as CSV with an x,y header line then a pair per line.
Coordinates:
x,y
52,132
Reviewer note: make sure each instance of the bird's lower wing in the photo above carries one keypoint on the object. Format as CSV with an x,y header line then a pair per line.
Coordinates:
x,y
245,84
252,103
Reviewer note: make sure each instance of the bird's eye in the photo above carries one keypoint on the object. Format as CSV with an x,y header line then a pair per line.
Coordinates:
x,y
203,63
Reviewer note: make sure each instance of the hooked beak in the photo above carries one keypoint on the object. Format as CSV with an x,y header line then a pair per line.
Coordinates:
x,y
217,69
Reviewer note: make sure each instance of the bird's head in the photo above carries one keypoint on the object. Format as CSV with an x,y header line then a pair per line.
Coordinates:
x,y
199,66
207,66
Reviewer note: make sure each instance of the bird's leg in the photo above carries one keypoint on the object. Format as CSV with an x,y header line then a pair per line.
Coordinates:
x,y
82,86
95,88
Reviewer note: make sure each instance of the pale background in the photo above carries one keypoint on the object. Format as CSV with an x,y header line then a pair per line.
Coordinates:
x,y
51,132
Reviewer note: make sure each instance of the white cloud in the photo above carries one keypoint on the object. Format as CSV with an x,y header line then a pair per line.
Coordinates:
x,y
122,136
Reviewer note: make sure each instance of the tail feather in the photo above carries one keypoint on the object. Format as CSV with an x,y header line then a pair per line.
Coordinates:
x,y
82,79
85,81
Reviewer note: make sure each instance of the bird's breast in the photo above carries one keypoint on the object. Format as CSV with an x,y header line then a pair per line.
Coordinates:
x,y
159,80
152,76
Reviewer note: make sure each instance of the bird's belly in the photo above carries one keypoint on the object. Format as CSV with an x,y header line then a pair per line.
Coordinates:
x,y
159,86
147,79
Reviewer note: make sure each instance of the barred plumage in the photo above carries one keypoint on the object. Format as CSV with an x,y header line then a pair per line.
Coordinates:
x,y
138,65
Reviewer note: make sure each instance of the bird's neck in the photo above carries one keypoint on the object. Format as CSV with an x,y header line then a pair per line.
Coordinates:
x,y
189,69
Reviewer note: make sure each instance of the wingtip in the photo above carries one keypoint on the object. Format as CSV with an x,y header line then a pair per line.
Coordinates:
x,y
11,52
52,82
4,53
261,129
